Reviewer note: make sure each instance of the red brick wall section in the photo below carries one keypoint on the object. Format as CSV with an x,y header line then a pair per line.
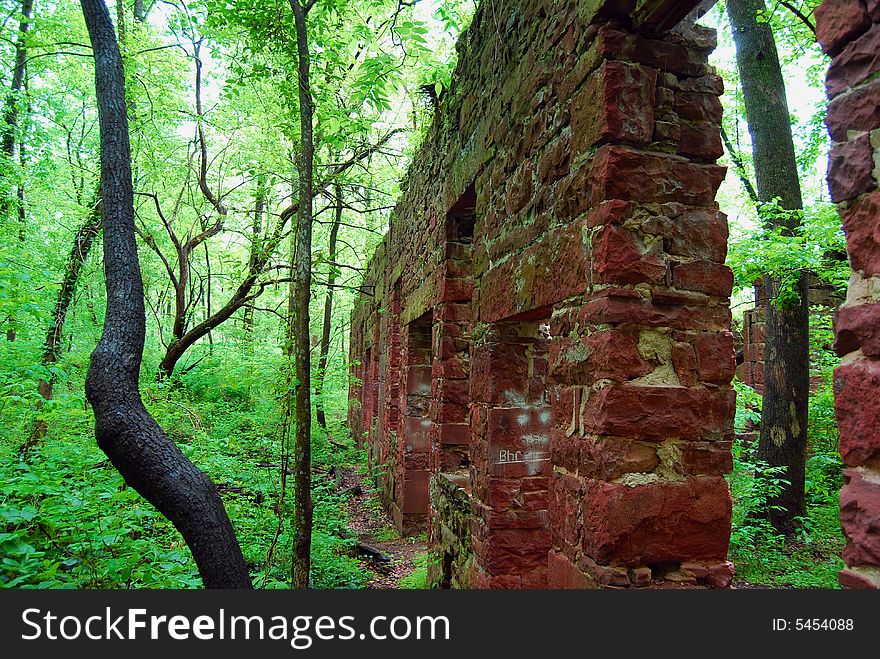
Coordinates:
x,y
591,323
753,348
849,31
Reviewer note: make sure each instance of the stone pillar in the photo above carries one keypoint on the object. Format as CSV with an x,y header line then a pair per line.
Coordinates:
x,y
849,31
409,507
389,397
640,369
510,422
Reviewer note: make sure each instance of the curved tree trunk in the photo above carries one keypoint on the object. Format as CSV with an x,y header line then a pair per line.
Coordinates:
x,y
148,460
787,363
300,296
320,414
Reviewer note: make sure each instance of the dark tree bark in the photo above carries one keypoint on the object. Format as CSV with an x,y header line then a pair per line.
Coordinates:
x,y
300,296
10,113
82,245
320,414
786,367
148,460
251,288
256,247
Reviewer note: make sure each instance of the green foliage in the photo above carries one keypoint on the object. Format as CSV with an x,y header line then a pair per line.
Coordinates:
x,y
418,578
810,559
774,250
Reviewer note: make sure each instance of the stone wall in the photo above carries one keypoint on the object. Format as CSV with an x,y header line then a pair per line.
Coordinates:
x,y
452,554
849,31
824,301
558,229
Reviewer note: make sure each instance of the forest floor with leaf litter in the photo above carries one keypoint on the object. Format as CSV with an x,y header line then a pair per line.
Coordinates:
x,y
371,523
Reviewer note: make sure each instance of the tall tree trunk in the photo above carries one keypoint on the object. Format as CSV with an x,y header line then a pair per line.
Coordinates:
x,y
787,366
82,245
148,460
256,246
300,295
328,314
208,294
10,113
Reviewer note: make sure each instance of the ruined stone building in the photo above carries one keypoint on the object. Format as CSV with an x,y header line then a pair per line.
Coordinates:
x,y
542,369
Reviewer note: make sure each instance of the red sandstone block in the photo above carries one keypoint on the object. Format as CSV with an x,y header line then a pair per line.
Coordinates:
x,y
456,290
510,551
675,313
859,60
555,161
858,328
850,168
563,574
608,576
520,187
452,312
499,373
618,172
662,55
451,459
610,458
450,412
860,519
557,267
704,277
707,84
706,458
418,380
454,391
859,111
857,407
658,522
516,519
615,104
455,434
612,211
657,413
701,141
613,354
838,22
716,356
415,461
455,367
503,492
699,233
855,581
564,449
684,361
535,577
415,492
699,107
618,259
715,575
521,429
861,222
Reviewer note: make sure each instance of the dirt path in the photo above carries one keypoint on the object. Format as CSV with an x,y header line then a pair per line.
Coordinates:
x,y
373,527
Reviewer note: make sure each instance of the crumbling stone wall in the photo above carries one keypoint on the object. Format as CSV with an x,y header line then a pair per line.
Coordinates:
x,y
559,229
849,31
